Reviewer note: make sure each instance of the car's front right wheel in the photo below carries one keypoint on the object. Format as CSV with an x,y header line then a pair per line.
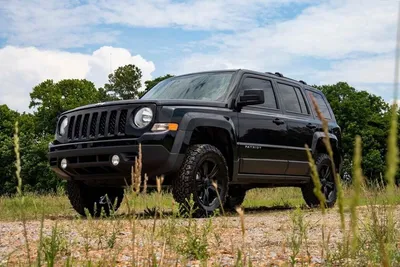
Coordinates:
x,y
203,178
328,186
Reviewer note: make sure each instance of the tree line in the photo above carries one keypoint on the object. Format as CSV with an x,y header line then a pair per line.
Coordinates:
x,y
357,112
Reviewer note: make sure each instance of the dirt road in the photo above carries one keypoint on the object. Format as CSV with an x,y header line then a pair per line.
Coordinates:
x,y
268,236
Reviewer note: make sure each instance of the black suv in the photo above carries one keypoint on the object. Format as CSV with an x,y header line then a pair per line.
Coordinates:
x,y
237,129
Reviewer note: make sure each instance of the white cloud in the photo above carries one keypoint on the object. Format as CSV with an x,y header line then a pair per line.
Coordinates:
x,y
337,40
364,70
23,68
339,29
329,41
71,23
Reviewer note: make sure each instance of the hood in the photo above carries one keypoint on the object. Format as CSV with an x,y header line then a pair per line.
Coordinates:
x,y
168,102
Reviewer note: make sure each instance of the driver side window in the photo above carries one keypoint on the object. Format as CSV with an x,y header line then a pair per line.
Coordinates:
x,y
266,86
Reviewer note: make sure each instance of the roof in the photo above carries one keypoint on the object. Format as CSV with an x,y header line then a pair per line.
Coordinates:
x,y
275,75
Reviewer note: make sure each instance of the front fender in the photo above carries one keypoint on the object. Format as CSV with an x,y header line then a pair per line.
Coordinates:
x,y
192,120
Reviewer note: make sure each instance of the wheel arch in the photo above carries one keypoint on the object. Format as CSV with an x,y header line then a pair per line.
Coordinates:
x,y
318,146
216,130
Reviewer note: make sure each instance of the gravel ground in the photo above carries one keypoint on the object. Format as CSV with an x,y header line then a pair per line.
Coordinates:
x,y
266,239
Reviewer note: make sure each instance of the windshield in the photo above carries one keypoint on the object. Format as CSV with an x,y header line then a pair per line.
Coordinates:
x,y
201,86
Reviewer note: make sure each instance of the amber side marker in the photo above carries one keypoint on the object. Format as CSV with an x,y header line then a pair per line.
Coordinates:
x,y
173,126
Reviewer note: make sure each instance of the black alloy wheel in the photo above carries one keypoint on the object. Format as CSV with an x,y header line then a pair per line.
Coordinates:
x,y
328,185
208,186
204,178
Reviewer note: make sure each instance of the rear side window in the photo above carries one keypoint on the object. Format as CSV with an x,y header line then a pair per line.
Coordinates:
x,y
266,86
322,105
293,99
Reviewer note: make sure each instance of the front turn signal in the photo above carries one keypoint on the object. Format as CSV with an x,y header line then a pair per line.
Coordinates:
x,y
173,126
159,127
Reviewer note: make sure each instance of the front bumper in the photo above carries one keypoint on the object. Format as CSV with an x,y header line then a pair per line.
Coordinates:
x,y
92,160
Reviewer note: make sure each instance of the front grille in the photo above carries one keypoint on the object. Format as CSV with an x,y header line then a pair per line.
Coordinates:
x,y
122,121
97,124
85,126
102,126
111,122
77,126
93,124
70,127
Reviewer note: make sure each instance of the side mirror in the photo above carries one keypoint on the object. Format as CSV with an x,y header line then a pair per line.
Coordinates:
x,y
251,97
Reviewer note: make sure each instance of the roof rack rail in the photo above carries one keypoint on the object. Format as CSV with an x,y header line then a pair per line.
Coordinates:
x,y
303,82
278,74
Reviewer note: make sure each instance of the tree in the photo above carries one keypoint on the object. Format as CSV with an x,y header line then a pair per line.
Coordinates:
x,y
124,83
7,169
151,83
364,114
51,99
35,170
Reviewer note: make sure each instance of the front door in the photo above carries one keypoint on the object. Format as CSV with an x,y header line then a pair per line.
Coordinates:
x,y
262,132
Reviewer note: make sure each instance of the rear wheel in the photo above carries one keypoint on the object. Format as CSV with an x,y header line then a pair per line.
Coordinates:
x,y
328,186
97,200
203,168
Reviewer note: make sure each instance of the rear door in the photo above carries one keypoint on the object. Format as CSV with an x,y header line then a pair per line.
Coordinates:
x,y
300,127
262,131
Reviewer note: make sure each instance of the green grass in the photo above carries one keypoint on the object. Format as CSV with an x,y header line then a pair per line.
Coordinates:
x,y
52,205
57,206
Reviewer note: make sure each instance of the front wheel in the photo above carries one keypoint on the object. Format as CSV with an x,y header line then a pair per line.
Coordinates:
x,y
327,178
96,200
203,178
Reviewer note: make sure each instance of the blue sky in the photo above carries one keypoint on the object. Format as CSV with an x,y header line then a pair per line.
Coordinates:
x,y
321,41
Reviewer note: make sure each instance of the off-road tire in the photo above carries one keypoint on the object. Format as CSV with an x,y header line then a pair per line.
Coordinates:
x,y
235,198
93,199
308,190
184,185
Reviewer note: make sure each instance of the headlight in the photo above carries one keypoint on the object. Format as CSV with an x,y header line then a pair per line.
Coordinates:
x,y
143,117
63,126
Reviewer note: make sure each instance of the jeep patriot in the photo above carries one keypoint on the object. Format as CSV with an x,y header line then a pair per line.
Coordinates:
x,y
212,135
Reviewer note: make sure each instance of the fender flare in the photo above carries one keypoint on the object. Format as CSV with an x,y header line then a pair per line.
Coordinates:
x,y
192,120
318,136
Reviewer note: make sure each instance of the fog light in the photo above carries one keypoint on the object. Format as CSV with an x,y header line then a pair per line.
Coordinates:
x,y
64,163
115,160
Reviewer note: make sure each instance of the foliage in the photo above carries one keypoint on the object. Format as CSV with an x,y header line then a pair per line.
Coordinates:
x,y
151,83
50,99
33,149
7,169
124,83
364,114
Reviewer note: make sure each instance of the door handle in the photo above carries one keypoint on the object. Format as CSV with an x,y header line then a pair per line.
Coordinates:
x,y
278,121
311,126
